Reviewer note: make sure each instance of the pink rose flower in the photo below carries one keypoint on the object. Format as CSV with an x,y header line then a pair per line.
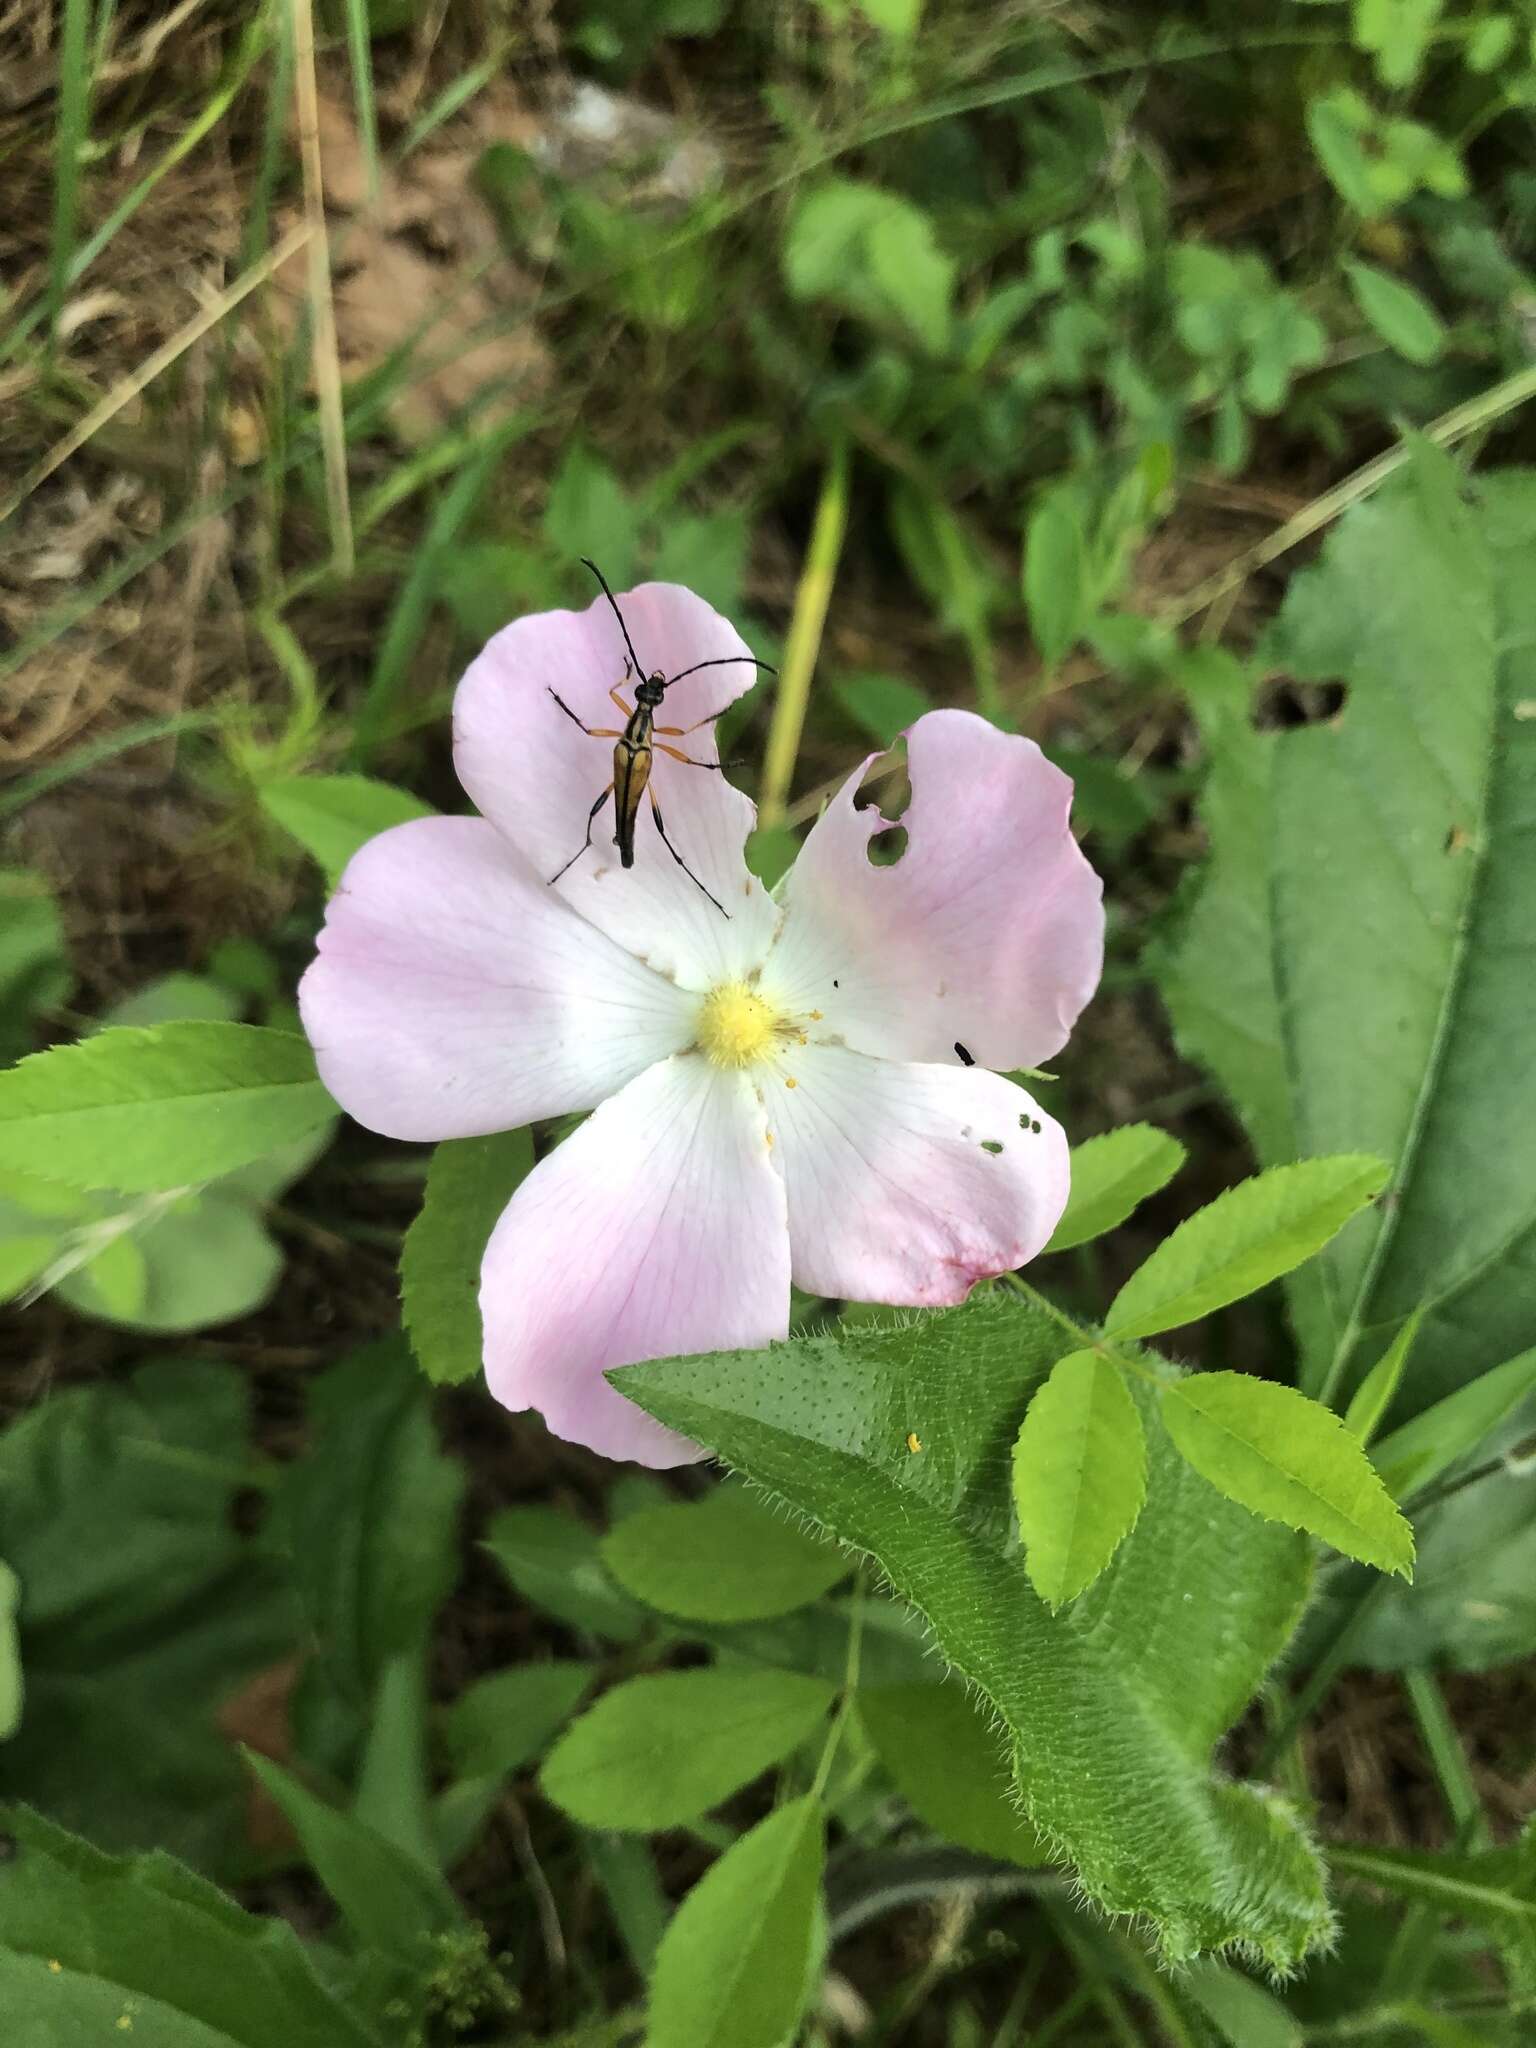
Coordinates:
x,y
776,1092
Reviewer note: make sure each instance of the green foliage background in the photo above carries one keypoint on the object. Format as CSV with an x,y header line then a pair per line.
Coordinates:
x,y
1155,382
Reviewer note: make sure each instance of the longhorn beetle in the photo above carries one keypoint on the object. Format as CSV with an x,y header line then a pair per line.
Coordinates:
x,y
637,742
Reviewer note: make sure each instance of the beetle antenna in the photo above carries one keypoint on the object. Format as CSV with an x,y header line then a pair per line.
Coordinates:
x,y
725,661
639,664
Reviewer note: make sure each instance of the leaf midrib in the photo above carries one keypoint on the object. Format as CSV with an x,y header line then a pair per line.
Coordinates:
x,y
1391,1211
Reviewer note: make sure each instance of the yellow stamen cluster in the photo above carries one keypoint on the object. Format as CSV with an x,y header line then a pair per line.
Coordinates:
x,y
737,1027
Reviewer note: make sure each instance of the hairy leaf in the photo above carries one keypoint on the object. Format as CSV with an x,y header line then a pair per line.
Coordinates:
x,y
1113,1707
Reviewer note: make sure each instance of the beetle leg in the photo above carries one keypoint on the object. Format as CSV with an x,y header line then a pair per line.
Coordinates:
x,y
676,754
614,694
593,732
688,871
677,732
591,820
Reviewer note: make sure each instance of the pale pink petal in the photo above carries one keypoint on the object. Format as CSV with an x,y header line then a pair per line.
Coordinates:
x,y
989,930
656,1228
535,775
910,1183
453,994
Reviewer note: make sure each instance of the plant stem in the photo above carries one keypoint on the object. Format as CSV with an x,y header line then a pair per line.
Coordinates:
x,y
811,600
1448,1757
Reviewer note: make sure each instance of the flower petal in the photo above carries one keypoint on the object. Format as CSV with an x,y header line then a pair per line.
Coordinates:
x,y
657,1228
454,994
535,774
909,1183
989,930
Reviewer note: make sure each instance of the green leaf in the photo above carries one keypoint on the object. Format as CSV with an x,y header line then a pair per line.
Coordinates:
x,y
951,1767
11,1682
1079,1475
502,1722
331,816
1472,1604
706,553
1404,318
171,998
1245,1238
143,1612
589,513
1338,123
1373,1017
24,1256
1417,1454
734,1966
883,706
658,1751
141,1110
35,973
204,1261
771,851
1397,33
1494,1891
469,1182
89,1941
912,273
1287,1458
116,1280
181,1261
1244,2014
725,1558
1375,1393
390,1901
1056,593
554,1561
369,1520
1111,1176
1114,1706
873,252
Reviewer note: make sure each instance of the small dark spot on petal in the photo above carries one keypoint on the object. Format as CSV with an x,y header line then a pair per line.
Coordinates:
x,y
991,1145
962,1055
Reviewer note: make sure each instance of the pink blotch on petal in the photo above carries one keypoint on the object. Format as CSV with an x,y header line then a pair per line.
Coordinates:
x,y
909,1183
657,1228
989,929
